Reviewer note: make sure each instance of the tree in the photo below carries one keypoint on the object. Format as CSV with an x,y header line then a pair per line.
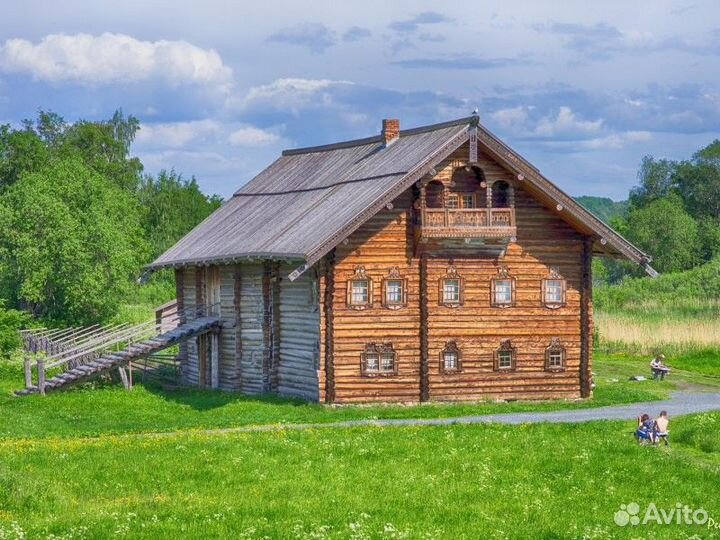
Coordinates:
x,y
172,206
667,232
698,182
70,243
657,180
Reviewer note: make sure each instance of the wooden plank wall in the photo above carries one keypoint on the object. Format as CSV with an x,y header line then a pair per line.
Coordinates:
x,y
543,241
299,325
381,243
229,366
251,328
189,365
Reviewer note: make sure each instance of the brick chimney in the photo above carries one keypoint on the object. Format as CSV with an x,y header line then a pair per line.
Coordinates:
x,y
390,130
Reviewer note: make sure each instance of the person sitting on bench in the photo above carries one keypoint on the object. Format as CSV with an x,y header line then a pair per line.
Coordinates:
x,y
658,368
661,428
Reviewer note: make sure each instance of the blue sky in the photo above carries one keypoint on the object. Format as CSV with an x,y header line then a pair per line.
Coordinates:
x,y
582,89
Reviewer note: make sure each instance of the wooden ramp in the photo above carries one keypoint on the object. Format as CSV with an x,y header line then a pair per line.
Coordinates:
x,y
84,358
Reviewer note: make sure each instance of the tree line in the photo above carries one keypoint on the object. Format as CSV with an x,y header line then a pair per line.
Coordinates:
x,y
79,218
673,214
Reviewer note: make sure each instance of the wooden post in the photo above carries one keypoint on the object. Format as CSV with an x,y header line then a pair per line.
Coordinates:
x,y
586,318
123,377
28,372
130,374
215,360
41,376
329,323
424,364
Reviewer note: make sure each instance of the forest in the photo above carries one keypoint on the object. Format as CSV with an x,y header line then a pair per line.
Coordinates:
x,y
79,218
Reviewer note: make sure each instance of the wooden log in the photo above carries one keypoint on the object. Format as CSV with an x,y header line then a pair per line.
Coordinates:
x,y
41,376
27,364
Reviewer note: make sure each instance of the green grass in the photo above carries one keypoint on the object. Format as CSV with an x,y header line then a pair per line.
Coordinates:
x,y
455,482
108,409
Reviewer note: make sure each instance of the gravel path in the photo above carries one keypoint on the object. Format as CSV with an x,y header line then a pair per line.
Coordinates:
x,y
679,403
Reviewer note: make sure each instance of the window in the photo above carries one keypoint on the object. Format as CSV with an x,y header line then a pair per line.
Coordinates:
x,y
359,290
452,201
451,288
394,290
468,200
505,357
503,289
553,290
450,358
555,356
379,359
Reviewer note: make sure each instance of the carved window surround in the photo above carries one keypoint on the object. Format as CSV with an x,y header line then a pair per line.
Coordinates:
x,y
378,360
360,290
505,357
554,290
451,288
555,356
450,358
502,289
394,290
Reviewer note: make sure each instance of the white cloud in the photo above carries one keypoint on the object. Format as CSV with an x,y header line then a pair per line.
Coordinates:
x,y
566,123
512,116
290,95
112,58
176,134
252,137
615,141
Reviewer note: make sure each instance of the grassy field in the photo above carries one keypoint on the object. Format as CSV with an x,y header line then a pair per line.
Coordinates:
x,y
533,481
107,409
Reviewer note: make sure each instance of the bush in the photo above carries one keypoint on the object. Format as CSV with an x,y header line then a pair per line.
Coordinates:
x,y
11,321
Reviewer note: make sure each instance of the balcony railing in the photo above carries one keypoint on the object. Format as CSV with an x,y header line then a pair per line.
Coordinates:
x,y
468,222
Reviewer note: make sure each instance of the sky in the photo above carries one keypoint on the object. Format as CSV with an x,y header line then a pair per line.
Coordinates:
x,y
583,90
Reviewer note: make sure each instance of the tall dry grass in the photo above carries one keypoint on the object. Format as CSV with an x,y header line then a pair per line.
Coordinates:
x,y
655,332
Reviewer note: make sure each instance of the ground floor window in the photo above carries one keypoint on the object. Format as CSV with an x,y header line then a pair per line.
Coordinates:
x,y
555,356
379,359
505,356
450,358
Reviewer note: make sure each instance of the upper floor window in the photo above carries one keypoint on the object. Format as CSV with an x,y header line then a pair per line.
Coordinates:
x,y
467,200
505,356
554,290
450,358
359,290
555,356
379,359
452,201
503,289
451,288
394,290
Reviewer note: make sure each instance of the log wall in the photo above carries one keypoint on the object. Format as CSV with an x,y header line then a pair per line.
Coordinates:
x,y
543,241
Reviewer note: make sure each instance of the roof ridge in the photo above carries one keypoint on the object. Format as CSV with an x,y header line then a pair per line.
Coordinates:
x,y
375,138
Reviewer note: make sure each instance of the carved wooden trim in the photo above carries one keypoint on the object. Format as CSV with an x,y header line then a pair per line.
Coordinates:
x,y
555,347
554,275
378,349
451,347
360,275
503,274
329,327
451,274
394,275
505,347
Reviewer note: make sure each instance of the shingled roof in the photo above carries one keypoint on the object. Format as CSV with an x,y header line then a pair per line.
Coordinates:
x,y
310,199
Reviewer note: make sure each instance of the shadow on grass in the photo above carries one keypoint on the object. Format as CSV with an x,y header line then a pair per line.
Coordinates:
x,y
205,400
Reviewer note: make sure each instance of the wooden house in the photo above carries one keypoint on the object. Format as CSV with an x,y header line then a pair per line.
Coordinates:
x,y
432,263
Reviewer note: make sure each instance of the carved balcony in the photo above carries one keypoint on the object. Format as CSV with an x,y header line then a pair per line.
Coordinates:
x,y
483,223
